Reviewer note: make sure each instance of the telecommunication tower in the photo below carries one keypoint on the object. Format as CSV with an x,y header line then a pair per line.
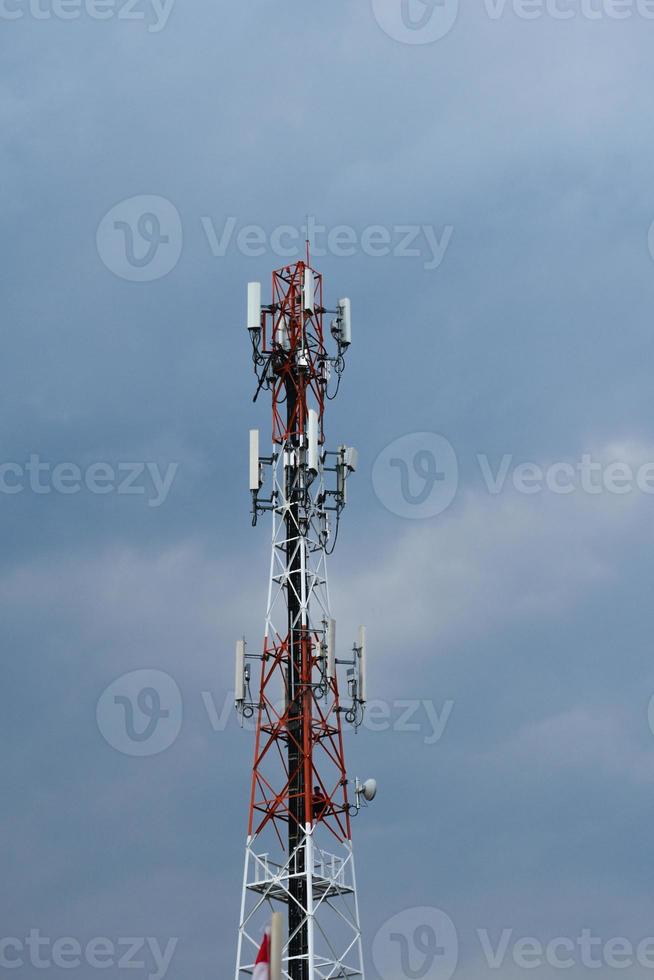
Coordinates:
x,y
299,857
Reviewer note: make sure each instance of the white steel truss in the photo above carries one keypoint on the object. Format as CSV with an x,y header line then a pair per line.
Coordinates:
x,y
331,913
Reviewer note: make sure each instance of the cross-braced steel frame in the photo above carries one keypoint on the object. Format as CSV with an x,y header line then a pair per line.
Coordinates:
x,y
299,850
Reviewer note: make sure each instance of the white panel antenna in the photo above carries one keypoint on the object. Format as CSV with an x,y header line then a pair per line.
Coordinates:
x,y
254,306
351,458
312,441
331,649
363,666
239,681
309,291
255,476
345,322
281,332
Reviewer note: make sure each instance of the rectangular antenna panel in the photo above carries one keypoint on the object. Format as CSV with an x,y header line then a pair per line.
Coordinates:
x,y
363,666
254,305
351,458
312,441
345,320
239,677
255,482
331,649
309,291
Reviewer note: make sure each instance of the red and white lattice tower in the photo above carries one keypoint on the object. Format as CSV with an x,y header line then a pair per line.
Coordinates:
x,y
299,856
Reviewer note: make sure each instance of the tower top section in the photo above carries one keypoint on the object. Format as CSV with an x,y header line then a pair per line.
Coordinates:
x,y
288,347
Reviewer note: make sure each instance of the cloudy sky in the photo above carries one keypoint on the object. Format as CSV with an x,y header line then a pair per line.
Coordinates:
x,y
480,183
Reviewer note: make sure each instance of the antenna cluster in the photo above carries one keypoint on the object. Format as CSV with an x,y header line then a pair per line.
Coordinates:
x,y
281,341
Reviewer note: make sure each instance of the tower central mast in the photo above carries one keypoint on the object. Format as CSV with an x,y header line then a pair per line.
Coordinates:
x,y
299,705
299,850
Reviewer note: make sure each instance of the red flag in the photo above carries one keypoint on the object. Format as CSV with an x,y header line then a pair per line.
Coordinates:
x,y
262,965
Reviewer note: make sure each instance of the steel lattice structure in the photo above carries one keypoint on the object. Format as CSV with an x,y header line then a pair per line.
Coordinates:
x,y
299,851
